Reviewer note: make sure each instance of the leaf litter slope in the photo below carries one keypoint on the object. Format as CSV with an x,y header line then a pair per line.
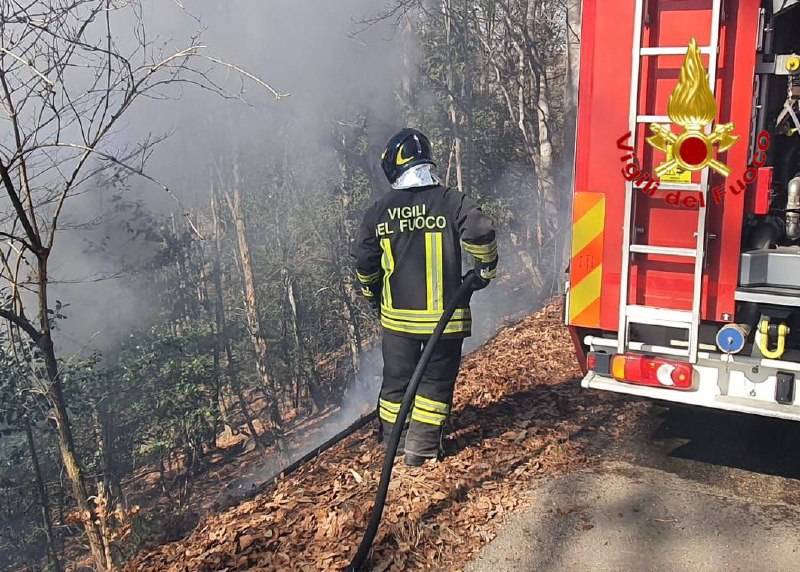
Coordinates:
x,y
519,414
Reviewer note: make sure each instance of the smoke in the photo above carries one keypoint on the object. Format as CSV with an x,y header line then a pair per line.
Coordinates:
x,y
306,49
302,48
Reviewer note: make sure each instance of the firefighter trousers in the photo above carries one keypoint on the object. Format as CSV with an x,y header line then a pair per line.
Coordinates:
x,y
434,397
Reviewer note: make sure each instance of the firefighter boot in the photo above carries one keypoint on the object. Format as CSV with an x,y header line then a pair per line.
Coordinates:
x,y
385,431
426,433
416,460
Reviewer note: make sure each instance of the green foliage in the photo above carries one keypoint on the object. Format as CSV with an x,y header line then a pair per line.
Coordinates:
x,y
169,387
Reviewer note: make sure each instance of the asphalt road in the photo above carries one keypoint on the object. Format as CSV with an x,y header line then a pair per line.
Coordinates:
x,y
688,489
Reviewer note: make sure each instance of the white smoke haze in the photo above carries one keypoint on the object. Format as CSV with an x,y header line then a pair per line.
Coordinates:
x,y
306,49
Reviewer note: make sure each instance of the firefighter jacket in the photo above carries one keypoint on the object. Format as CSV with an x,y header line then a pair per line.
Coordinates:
x,y
408,254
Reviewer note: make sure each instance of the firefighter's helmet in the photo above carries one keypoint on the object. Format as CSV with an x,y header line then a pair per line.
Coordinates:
x,y
405,150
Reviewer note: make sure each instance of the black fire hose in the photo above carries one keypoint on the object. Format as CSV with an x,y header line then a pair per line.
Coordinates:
x,y
394,439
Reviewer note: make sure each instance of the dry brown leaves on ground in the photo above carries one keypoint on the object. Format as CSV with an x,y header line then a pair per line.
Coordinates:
x,y
519,414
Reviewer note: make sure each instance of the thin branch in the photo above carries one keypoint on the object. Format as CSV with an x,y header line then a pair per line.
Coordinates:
x,y
17,239
193,227
107,157
22,323
272,90
27,64
33,236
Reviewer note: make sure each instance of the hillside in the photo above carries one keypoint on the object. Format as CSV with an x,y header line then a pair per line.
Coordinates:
x,y
520,414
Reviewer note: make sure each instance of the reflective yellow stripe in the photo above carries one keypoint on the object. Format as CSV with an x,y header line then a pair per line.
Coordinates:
x,y
483,252
423,315
387,416
367,292
586,266
426,417
453,327
487,248
387,262
405,327
486,258
429,270
585,292
390,405
589,226
431,405
368,279
433,270
438,298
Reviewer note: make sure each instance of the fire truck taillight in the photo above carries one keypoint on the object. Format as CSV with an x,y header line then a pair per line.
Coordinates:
x,y
652,371
599,362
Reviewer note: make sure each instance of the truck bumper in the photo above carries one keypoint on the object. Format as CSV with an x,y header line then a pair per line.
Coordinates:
x,y
730,386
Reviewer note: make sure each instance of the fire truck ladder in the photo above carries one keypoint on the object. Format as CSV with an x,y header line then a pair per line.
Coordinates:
x,y
652,315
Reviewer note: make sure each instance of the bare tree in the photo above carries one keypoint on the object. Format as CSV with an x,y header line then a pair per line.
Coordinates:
x,y
223,341
65,82
251,302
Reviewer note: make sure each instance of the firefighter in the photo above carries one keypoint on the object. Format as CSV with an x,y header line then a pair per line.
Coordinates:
x,y
408,262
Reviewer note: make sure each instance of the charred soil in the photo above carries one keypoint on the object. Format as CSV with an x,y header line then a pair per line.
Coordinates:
x,y
520,415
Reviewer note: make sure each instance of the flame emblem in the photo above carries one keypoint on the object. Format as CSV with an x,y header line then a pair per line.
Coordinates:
x,y
692,106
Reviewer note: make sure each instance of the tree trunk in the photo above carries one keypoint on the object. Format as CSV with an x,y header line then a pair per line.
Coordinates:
x,y
219,388
44,501
451,105
354,342
347,290
252,307
181,313
66,444
527,262
547,187
573,14
112,490
216,315
313,382
102,510
222,341
73,469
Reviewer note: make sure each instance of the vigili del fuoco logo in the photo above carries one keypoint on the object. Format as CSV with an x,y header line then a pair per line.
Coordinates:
x,y
692,107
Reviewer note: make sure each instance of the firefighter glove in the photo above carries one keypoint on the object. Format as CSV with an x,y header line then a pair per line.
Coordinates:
x,y
478,281
373,296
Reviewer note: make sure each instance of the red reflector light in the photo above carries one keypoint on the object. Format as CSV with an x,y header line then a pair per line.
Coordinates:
x,y
653,371
591,361
761,202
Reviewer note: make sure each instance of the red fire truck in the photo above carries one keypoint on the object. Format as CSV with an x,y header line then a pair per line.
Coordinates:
x,y
684,281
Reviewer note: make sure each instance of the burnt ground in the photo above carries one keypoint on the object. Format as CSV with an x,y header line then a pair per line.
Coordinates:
x,y
519,415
